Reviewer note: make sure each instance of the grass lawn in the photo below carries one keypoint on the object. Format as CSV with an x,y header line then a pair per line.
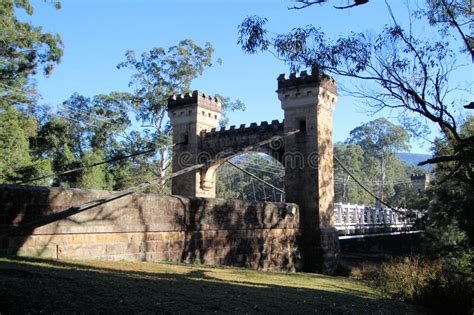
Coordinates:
x,y
30,285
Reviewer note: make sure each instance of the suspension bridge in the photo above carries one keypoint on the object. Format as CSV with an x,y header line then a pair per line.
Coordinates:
x,y
349,219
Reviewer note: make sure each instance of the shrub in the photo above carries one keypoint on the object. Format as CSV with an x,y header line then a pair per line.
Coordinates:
x,y
432,283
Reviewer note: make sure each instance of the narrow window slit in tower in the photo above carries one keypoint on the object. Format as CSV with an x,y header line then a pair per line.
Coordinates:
x,y
302,126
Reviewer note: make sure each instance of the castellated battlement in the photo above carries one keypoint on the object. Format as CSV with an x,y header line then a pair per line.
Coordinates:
x,y
194,99
305,79
275,125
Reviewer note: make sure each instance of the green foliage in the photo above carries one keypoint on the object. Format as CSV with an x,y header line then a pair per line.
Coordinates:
x,y
93,122
234,184
160,73
14,145
55,142
370,154
345,189
446,240
449,220
136,170
64,159
450,168
229,106
379,137
51,137
97,177
24,49
37,168
82,133
111,117
432,283
405,197
17,163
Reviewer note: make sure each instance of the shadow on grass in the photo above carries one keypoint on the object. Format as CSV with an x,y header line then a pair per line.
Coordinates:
x,y
30,285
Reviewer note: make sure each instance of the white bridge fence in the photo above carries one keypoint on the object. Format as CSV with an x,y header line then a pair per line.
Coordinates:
x,y
361,219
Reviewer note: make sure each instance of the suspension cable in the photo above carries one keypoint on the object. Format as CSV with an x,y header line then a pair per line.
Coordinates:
x,y
256,177
117,195
253,188
92,204
363,186
114,159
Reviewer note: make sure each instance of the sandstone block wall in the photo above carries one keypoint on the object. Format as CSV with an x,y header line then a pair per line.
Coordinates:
x,y
151,227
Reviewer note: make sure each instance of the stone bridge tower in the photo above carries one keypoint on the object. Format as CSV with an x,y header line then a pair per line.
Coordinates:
x,y
308,103
189,115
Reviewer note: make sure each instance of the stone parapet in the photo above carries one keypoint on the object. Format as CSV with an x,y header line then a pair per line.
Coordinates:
x,y
419,176
151,227
264,126
196,98
304,79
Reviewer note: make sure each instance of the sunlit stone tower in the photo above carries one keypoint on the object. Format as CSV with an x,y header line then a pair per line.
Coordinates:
x,y
308,102
189,115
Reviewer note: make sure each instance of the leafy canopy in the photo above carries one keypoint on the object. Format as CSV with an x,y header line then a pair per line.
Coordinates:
x,y
24,49
160,73
397,69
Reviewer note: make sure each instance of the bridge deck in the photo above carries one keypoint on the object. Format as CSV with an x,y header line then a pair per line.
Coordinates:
x,y
360,219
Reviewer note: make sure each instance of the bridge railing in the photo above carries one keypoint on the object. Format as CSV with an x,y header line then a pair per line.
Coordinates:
x,y
351,218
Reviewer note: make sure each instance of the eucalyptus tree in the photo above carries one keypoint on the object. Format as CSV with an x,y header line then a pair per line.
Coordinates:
x,y
397,69
160,73
25,50
380,139
81,132
345,189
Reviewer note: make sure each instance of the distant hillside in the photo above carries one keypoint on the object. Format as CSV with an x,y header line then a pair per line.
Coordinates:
x,y
414,158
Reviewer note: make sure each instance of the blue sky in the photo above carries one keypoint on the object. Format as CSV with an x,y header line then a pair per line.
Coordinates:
x,y
97,33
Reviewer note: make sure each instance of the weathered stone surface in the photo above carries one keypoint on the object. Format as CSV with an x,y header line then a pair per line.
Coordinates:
x,y
189,115
308,103
153,227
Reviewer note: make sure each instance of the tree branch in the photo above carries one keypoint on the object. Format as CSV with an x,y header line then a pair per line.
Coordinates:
x,y
356,3
466,39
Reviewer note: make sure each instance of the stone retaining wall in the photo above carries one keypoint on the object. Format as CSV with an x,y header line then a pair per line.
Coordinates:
x,y
152,227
